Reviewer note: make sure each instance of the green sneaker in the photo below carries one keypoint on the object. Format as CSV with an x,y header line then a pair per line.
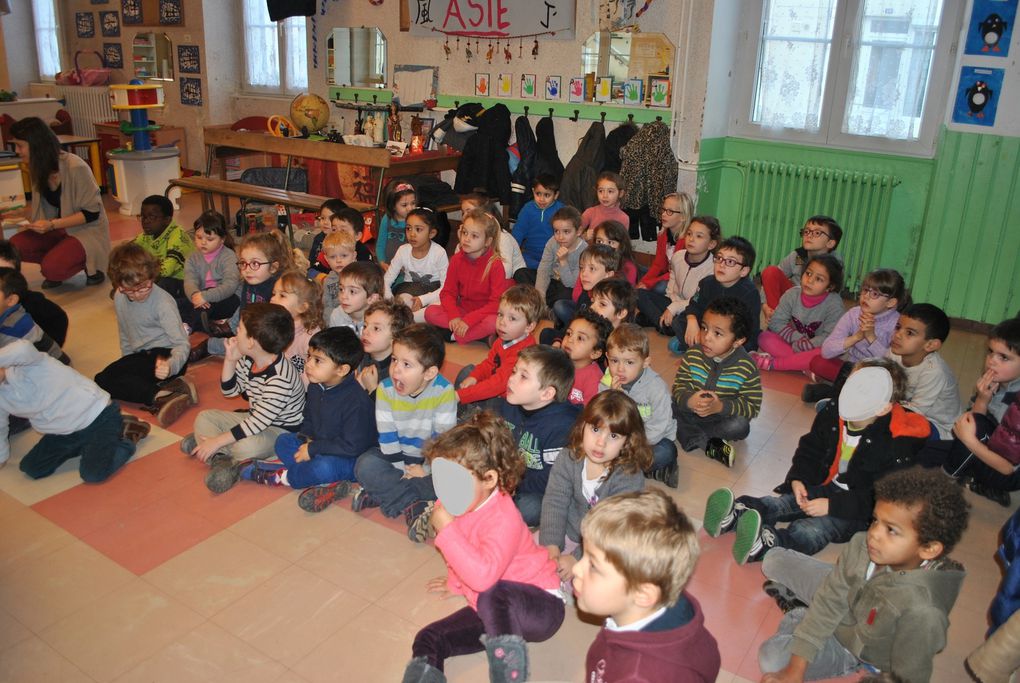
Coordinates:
x,y
719,514
753,539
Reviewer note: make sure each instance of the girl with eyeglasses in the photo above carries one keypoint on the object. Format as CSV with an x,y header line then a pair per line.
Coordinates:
x,y
819,236
674,217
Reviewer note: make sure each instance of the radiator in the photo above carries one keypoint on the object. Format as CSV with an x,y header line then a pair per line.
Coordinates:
x,y
87,105
778,197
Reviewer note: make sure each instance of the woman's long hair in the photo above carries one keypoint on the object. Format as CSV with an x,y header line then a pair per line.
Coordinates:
x,y
43,149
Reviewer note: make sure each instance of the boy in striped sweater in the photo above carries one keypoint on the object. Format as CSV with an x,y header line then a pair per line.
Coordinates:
x,y
717,390
254,368
412,405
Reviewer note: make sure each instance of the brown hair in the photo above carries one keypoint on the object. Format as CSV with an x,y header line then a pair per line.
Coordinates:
x,y
526,300
616,411
647,538
553,368
568,213
214,223
131,264
399,314
423,341
620,293
629,337
308,292
601,253
365,274
481,443
272,247
614,178
270,325
614,230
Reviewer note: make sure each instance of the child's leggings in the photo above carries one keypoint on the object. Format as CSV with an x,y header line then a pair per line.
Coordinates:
x,y
827,368
508,608
435,315
133,377
775,283
320,469
783,355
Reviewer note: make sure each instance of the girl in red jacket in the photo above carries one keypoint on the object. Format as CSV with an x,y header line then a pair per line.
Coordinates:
x,y
674,215
475,280
492,559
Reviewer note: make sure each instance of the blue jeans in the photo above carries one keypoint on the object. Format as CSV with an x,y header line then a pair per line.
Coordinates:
x,y
100,446
831,661
321,469
804,534
530,506
663,454
563,312
387,484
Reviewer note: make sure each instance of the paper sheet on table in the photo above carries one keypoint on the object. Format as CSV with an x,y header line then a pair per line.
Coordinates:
x,y
413,87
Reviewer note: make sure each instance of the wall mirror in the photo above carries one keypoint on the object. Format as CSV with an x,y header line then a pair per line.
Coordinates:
x,y
152,56
356,57
624,55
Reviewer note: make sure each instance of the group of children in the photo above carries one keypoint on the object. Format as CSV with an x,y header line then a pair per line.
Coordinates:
x,y
340,363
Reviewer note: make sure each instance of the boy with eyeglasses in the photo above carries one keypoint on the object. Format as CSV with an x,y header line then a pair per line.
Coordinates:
x,y
733,261
820,235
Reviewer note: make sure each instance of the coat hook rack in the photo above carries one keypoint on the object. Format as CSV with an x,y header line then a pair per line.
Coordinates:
x,y
375,99
355,98
456,104
658,118
630,118
526,108
576,115
602,117
551,110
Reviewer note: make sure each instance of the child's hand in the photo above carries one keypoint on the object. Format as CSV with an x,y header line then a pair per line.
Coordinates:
x,y
439,585
692,335
986,386
816,507
162,368
667,318
207,447
965,428
767,311
302,454
706,403
414,472
469,382
793,673
440,517
198,301
231,351
458,327
561,255
554,552
416,304
799,492
368,377
564,565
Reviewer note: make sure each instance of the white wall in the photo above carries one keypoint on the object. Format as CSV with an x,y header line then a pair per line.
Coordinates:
x,y
19,46
721,63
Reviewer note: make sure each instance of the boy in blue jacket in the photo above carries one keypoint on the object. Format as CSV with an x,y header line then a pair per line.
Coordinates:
x,y
538,412
534,223
338,426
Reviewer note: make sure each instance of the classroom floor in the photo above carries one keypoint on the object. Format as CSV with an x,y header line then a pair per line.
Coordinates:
x,y
149,577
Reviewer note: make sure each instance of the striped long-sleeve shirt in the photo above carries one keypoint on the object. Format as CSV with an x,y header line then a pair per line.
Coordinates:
x,y
405,423
276,396
734,378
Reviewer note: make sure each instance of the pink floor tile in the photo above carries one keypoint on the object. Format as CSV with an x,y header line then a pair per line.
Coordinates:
x,y
787,382
716,567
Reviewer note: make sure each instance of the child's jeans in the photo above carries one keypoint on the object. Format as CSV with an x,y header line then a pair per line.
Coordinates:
x,y
960,462
663,454
802,575
783,355
259,446
100,446
436,315
384,482
320,469
508,608
804,534
133,377
530,506
693,431
774,283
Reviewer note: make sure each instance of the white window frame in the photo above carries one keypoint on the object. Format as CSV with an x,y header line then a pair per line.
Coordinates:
x,y
842,54
47,34
285,50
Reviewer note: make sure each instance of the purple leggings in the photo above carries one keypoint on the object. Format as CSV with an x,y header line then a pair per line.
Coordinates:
x,y
508,608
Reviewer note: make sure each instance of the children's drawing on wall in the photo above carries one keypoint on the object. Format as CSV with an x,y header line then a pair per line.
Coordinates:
x,y
191,91
977,96
188,60
618,14
506,85
482,85
109,23
991,28
131,11
528,86
632,91
575,92
85,24
553,87
604,89
170,13
658,91
113,55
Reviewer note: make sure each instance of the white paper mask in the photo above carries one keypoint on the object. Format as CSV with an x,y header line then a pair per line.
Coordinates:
x,y
454,484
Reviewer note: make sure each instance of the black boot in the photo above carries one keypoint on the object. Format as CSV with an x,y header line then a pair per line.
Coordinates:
x,y
420,671
508,658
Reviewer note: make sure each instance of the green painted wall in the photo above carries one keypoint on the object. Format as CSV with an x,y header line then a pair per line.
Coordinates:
x,y
954,222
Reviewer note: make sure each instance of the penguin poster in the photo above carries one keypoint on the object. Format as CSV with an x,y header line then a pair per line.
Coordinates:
x,y
990,29
977,96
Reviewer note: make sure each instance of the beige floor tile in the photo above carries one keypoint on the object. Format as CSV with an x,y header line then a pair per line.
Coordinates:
x,y
410,601
216,572
9,504
27,536
286,530
206,654
115,633
12,631
575,636
290,614
33,661
290,677
45,589
351,559
374,647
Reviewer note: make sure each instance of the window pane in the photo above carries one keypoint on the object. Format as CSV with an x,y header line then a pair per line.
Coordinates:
x,y
261,46
297,53
46,38
895,49
793,63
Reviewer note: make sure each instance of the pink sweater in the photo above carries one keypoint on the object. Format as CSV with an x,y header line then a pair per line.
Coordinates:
x,y
594,215
492,543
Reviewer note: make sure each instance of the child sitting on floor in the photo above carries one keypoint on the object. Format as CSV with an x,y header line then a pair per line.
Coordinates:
x,y
598,262
561,258
509,249
585,344
534,227
400,200
675,215
303,300
153,345
630,372
211,278
253,367
827,495
819,236
338,426
609,188
614,234
338,250
639,552
717,389
509,582
421,262
167,241
607,454
319,267
15,321
520,309
383,319
885,603
361,285
49,316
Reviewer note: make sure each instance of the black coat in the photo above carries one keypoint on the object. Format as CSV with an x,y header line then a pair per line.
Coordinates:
x,y
547,159
520,181
577,188
484,164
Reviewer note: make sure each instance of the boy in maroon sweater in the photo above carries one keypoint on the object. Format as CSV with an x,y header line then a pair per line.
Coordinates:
x,y
639,552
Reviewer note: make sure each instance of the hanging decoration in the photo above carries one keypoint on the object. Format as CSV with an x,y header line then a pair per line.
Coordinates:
x,y
534,50
520,48
488,53
446,48
467,51
507,55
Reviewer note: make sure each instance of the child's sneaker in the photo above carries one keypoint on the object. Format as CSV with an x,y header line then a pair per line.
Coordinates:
x,y
224,473
720,513
188,444
181,385
721,450
753,539
419,520
999,496
132,429
168,406
762,360
362,501
674,346
318,498
670,475
813,393
267,474
785,598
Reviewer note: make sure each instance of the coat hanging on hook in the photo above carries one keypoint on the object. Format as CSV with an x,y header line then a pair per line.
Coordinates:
x,y
577,188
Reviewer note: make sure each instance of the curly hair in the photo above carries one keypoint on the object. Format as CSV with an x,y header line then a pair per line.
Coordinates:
x,y
400,315
308,292
131,264
272,247
481,443
734,309
616,411
943,510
